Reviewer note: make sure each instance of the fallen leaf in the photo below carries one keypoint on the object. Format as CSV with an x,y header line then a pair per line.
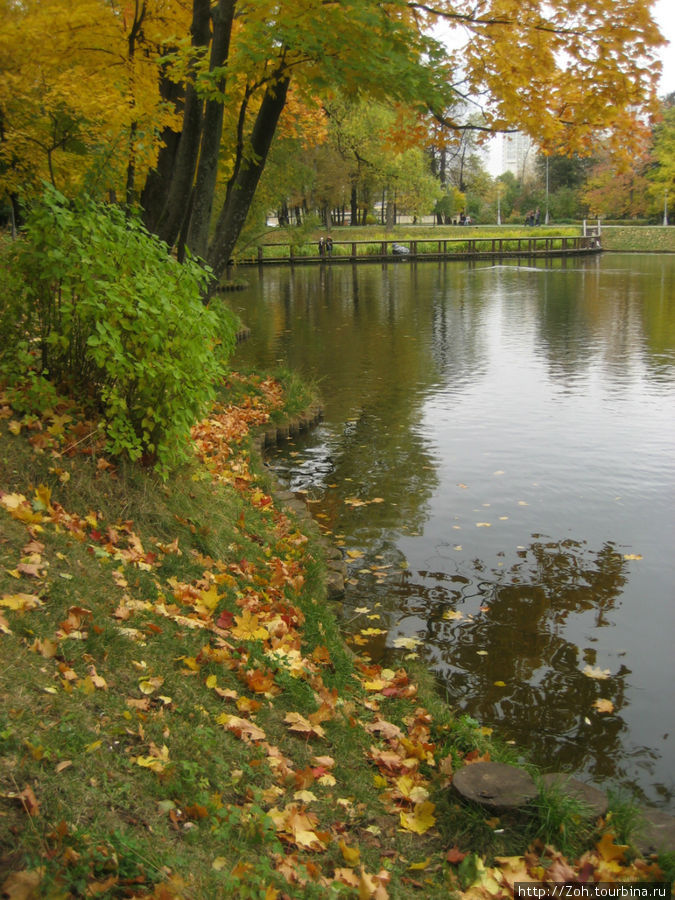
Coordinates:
x,y
455,856
596,672
22,885
420,820
452,614
351,855
242,728
248,628
20,601
608,850
150,685
406,643
604,706
29,801
297,722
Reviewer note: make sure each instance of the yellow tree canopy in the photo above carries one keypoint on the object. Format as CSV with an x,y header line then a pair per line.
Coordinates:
x,y
562,72
172,102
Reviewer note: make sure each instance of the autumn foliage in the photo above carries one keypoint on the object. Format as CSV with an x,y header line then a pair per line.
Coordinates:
x,y
182,718
174,106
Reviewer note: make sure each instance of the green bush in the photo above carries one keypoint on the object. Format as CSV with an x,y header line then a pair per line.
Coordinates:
x,y
96,306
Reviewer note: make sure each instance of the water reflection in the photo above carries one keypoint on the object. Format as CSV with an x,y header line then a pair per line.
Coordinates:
x,y
471,409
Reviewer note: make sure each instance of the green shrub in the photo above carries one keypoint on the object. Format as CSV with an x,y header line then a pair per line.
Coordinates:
x,y
96,305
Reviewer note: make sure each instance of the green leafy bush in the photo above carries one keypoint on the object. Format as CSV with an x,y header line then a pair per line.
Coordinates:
x,y
97,306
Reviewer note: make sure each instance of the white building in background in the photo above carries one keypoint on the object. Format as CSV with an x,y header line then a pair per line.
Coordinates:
x,y
518,154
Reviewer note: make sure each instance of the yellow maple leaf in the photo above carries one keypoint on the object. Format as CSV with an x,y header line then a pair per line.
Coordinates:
x,y
452,614
421,819
20,601
351,855
596,672
43,496
248,628
608,850
210,598
604,706
12,501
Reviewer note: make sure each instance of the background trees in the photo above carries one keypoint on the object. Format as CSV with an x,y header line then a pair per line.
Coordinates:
x,y
173,105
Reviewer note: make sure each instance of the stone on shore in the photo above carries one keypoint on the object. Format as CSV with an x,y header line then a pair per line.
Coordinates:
x,y
495,784
594,801
657,834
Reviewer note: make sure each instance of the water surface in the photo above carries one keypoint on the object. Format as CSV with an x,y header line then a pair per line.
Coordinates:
x,y
498,448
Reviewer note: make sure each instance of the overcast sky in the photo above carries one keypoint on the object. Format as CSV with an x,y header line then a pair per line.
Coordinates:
x,y
664,13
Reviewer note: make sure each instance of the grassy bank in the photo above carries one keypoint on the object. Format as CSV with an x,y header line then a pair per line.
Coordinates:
x,y
643,239
181,716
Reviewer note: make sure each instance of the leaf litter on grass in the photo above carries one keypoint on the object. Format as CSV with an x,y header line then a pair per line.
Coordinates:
x,y
245,618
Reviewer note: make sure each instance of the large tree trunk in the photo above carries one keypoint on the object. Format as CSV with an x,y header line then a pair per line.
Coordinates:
x,y
153,196
174,193
202,206
240,192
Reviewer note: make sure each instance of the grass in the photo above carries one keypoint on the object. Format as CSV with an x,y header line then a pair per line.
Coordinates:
x,y
182,717
654,239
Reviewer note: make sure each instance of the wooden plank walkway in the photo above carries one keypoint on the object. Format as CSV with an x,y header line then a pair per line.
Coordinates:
x,y
440,249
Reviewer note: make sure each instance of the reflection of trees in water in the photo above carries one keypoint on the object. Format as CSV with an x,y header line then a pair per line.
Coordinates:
x,y
609,314
516,617
545,695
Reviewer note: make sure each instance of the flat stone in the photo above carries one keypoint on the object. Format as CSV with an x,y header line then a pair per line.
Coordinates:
x,y
594,801
657,834
494,784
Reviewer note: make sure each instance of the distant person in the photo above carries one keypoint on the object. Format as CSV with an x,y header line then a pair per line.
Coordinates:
x,y
329,245
537,216
322,247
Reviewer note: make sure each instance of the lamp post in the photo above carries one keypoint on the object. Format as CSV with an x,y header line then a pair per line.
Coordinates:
x,y
665,207
546,218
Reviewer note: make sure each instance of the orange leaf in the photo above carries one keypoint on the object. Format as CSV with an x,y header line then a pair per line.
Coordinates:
x,y
608,850
454,855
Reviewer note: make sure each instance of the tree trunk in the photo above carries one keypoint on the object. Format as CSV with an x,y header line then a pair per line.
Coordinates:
x,y
354,220
202,206
153,196
240,193
176,191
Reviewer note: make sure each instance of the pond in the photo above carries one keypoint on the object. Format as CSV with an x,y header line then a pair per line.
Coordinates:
x,y
497,461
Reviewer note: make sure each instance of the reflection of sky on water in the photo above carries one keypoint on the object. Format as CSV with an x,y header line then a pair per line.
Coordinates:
x,y
507,417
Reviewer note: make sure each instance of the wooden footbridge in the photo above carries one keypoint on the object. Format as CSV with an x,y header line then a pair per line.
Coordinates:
x,y
469,248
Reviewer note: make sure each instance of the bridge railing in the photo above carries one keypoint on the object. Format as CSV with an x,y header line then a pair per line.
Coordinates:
x,y
442,248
